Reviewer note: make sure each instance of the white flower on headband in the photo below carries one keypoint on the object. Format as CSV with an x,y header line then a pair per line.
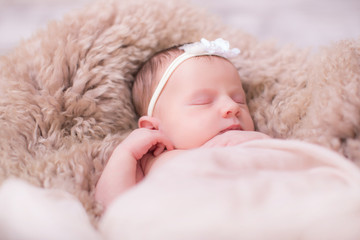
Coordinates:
x,y
219,47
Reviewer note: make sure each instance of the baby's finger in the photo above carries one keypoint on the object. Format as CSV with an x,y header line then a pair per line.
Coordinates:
x,y
169,146
159,149
166,142
152,148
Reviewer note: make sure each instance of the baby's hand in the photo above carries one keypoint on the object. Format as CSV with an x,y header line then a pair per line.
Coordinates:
x,y
234,137
142,141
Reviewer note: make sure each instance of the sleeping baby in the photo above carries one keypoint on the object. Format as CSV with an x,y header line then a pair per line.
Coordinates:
x,y
188,97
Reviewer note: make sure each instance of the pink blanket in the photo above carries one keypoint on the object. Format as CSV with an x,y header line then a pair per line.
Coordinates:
x,y
263,189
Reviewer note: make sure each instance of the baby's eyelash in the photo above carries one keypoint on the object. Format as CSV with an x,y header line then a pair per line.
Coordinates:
x,y
201,100
239,99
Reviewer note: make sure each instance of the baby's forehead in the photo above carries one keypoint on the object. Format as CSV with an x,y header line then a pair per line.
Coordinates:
x,y
205,69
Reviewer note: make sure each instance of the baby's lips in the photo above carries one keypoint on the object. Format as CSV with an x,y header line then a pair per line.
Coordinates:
x,y
232,127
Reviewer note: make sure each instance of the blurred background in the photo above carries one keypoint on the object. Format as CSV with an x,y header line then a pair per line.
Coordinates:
x,y
303,23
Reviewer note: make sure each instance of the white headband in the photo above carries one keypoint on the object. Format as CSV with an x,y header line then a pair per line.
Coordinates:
x,y
219,47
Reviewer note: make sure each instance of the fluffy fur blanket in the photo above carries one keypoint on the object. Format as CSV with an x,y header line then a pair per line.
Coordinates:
x,y
65,92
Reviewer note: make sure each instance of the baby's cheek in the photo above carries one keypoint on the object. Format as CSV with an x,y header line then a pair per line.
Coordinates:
x,y
192,134
248,122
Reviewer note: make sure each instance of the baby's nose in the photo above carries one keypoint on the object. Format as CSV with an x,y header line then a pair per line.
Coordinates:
x,y
231,109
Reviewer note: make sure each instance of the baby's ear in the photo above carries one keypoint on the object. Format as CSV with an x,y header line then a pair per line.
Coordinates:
x,y
148,122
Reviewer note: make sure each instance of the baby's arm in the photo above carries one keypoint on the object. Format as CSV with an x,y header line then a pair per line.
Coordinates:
x,y
234,137
120,172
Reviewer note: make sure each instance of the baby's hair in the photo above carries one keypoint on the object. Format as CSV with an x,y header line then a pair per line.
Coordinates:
x,y
148,77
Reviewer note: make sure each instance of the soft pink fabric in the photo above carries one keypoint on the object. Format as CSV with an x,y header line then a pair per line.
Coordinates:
x,y
263,189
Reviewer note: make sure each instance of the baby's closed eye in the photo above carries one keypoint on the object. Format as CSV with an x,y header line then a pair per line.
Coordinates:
x,y
239,98
201,100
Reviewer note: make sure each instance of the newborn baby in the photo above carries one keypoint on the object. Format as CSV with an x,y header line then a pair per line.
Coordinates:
x,y
188,97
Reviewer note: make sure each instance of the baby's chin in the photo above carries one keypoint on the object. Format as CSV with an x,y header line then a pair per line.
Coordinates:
x,y
188,146
195,144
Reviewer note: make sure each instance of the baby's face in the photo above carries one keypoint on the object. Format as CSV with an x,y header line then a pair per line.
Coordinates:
x,y
203,98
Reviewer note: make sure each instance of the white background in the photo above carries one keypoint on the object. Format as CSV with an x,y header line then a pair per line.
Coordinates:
x,y
303,23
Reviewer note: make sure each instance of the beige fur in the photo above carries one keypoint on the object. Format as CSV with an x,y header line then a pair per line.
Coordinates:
x,y
65,92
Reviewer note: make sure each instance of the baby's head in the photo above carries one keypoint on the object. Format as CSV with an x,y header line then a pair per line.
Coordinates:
x,y
191,97
149,76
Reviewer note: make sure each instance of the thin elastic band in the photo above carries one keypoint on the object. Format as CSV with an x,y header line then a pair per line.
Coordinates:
x,y
170,69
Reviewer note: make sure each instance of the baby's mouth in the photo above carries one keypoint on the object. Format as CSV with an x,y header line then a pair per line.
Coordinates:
x,y
232,127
